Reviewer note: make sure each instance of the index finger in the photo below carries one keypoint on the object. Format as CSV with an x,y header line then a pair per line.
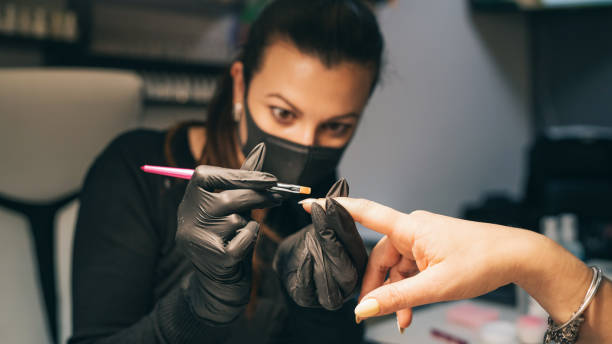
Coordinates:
x,y
375,216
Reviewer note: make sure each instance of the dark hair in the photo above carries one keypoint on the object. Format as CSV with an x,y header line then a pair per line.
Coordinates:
x,y
335,31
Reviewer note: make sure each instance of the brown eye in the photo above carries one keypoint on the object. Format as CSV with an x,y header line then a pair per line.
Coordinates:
x,y
337,129
281,115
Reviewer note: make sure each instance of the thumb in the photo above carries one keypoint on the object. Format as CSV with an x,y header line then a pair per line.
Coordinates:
x,y
241,244
422,288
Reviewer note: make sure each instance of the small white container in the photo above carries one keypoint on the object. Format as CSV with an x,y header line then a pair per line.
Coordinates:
x,y
530,329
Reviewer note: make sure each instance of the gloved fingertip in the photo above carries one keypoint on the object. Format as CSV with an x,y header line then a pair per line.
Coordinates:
x,y
317,213
240,244
339,189
330,205
332,303
333,208
274,200
280,196
254,161
317,207
253,226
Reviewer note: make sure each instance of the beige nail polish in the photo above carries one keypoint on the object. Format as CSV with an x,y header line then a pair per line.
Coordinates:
x,y
399,328
367,308
307,201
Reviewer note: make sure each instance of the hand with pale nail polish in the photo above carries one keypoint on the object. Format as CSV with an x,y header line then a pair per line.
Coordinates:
x,y
322,264
426,258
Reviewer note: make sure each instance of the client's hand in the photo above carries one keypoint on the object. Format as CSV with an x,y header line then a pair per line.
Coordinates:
x,y
322,264
218,237
426,258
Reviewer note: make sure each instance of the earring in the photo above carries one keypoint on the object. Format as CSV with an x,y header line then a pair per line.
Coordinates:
x,y
237,113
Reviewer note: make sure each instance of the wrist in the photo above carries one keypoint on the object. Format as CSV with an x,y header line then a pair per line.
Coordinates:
x,y
534,263
597,325
553,277
209,306
179,324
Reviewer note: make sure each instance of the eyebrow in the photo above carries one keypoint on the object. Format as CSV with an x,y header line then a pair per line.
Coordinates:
x,y
295,108
348,115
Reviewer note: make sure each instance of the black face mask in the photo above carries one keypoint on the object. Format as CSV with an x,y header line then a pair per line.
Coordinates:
x,y
291,162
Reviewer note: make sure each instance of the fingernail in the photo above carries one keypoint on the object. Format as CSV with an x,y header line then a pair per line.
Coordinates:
x,y
357,319
307,201
367,308
399,328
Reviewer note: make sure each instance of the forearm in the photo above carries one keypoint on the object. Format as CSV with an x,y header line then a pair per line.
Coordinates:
x,y
559,282
177,323
170,322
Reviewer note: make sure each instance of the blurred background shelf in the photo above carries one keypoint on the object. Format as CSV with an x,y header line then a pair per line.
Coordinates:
x,y
494,5
191,42
205,7
188,105
80,58
32,42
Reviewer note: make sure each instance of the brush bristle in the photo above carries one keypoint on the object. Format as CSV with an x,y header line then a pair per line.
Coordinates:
x,y
305,190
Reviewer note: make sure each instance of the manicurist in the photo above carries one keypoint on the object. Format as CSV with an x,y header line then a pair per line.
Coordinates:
x,y
220,258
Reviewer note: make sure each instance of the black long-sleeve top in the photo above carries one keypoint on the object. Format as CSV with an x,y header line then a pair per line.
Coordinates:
x,y
127,270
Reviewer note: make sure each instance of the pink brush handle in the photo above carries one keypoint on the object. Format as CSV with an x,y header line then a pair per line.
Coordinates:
x,y
183,173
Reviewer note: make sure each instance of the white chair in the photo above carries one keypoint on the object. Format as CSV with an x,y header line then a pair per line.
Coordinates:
x,y
53,122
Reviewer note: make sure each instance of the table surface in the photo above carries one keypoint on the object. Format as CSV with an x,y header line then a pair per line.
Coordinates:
x,y
384,330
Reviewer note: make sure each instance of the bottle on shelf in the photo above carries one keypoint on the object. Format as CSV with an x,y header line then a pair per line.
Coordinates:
x,y
549,226
24,21
8,19
569,235
39,23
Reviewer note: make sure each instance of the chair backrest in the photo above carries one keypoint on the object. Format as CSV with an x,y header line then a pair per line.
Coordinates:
x,y
22,319
53,122
65,224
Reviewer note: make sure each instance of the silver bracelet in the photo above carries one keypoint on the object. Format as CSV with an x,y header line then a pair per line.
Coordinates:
x,y
567,333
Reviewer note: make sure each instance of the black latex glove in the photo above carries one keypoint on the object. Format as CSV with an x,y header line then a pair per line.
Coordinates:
x,y
218,239
322,264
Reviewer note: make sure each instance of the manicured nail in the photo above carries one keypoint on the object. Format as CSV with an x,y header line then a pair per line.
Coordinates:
x,y
399,328
307,201
357,319
367,308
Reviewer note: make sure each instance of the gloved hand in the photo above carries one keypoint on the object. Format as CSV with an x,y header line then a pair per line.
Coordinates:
x,y
322,264
215,232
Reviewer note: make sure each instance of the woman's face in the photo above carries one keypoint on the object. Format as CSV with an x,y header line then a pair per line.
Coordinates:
x,y
296,97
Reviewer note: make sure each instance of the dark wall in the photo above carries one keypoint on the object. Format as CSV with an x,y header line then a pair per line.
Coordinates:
x,y
572,66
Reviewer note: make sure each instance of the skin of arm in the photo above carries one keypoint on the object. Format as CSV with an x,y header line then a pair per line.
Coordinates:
x,y
559,282
432,258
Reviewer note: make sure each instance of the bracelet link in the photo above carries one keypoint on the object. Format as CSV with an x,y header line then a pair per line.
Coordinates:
x,y
563,335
